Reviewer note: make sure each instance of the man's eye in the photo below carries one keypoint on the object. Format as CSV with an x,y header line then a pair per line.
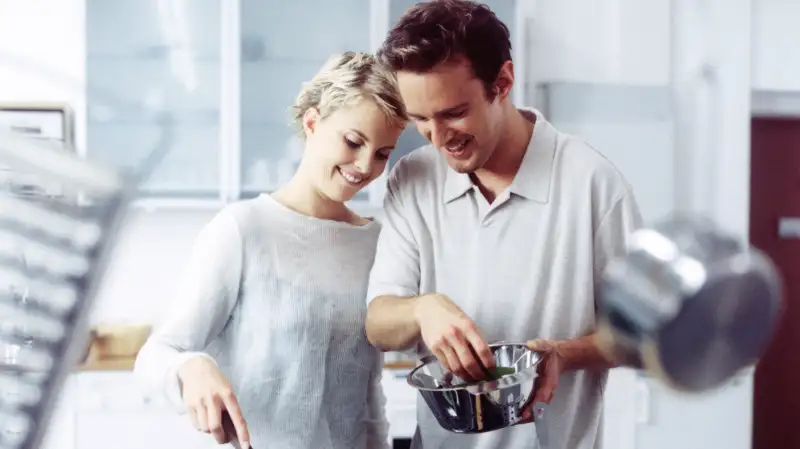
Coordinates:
x,y
457,114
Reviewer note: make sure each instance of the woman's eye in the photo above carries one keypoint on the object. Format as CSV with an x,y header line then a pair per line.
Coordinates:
x,y
381,155
352,144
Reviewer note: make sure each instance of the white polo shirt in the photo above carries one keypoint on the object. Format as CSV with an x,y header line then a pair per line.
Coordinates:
x,y
523,267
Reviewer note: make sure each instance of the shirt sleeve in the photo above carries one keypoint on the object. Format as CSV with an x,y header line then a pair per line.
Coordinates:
x,y
200,306
614,232
377,423
396,270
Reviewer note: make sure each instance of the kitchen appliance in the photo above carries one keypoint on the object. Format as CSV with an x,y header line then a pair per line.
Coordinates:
x,y
482,406
56,236
689,304
65,240
49,125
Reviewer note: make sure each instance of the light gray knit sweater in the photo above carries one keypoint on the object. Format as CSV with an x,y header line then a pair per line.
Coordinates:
x,y
277,299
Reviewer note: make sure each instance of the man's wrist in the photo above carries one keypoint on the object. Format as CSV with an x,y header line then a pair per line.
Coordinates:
x,y
416,305
419,304
582,354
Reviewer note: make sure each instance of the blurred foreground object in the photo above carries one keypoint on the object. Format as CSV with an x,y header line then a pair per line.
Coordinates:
x,y
53,253
689,304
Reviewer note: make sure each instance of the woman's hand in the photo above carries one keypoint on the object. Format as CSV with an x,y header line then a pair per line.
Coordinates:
x,y
208,395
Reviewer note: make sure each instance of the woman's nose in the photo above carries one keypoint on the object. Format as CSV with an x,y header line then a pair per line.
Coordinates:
x,y
364,163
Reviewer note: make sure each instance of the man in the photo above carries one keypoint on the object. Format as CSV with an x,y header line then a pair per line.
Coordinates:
x,y
499,230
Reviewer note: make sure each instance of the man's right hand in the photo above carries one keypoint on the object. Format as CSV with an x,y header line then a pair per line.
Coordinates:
x,y
452,337
208,394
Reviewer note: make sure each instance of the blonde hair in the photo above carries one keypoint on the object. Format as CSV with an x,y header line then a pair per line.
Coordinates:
x,y
346,79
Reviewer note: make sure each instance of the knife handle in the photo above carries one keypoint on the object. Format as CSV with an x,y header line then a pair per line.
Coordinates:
x,y
230,430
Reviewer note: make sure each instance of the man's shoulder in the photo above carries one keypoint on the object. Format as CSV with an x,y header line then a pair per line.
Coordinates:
x,y
423,167
578,160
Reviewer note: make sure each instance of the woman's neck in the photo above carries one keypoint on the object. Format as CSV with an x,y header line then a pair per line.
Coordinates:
x,y
301,197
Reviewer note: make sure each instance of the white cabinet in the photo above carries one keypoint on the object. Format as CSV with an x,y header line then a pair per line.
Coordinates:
x,y
600,41
281,49
717,419
225,73
776,58
61,429
146,58
619,410
640,412
401,404
228,72
110,411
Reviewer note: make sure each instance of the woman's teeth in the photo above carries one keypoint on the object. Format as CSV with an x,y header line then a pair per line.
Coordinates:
x,y
351,178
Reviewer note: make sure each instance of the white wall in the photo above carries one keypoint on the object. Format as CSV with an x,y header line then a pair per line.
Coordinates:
x,y
632,126
152,250
48,38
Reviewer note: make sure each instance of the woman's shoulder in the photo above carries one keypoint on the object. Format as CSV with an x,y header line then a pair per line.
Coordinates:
x,y
246,210
237,219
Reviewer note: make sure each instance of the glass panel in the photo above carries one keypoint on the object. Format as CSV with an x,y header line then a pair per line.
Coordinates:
x,y
282,48
156,54
411,138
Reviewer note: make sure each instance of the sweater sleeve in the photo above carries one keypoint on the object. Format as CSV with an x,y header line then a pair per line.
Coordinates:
x,y
200,306
377,424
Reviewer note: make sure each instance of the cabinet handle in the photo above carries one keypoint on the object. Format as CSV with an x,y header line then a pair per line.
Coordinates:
x,y
642,402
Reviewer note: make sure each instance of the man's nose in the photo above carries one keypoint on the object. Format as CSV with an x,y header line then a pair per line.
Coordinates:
x,y
437,134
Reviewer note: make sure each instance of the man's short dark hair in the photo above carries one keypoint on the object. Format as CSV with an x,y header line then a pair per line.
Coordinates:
x,y
440,31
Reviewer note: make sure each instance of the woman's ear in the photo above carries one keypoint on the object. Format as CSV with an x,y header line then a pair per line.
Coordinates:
x,y
310,120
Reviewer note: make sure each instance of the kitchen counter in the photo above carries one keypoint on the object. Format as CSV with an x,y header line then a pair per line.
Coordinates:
x,y
114,347
126,364
110,364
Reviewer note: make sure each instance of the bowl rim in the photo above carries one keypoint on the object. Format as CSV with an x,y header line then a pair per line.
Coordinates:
x,y
485,386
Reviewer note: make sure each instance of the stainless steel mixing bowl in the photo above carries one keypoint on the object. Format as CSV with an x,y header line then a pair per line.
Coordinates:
x,y
483,406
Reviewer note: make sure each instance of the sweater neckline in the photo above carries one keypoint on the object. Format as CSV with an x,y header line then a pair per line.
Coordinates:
x,y
308,219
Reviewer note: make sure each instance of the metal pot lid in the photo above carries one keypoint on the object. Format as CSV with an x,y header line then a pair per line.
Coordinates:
x,y
694,303
723,327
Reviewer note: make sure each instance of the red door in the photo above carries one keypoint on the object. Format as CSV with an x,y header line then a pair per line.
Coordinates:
x,y
775,198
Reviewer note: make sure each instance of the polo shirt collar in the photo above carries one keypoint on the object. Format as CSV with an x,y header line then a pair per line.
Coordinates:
x,y
532,181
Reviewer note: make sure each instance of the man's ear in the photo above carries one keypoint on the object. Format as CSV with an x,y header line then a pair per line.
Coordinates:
x,y
505,80
310,120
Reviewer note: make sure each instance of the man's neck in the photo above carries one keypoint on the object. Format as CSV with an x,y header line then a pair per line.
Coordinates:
x,y
499,171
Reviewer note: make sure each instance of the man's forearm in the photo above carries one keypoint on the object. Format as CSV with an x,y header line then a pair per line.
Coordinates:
x,y
391,323
583,354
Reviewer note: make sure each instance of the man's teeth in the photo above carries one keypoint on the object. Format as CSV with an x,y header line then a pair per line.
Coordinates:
x,y
351,178
458,147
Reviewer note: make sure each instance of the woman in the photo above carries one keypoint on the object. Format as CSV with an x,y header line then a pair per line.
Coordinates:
x,y
268,323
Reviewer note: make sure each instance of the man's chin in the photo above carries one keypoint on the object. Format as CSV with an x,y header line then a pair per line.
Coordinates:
x,y
464,167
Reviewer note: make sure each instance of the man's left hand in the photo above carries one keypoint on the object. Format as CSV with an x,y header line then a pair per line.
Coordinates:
x,y
550,369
